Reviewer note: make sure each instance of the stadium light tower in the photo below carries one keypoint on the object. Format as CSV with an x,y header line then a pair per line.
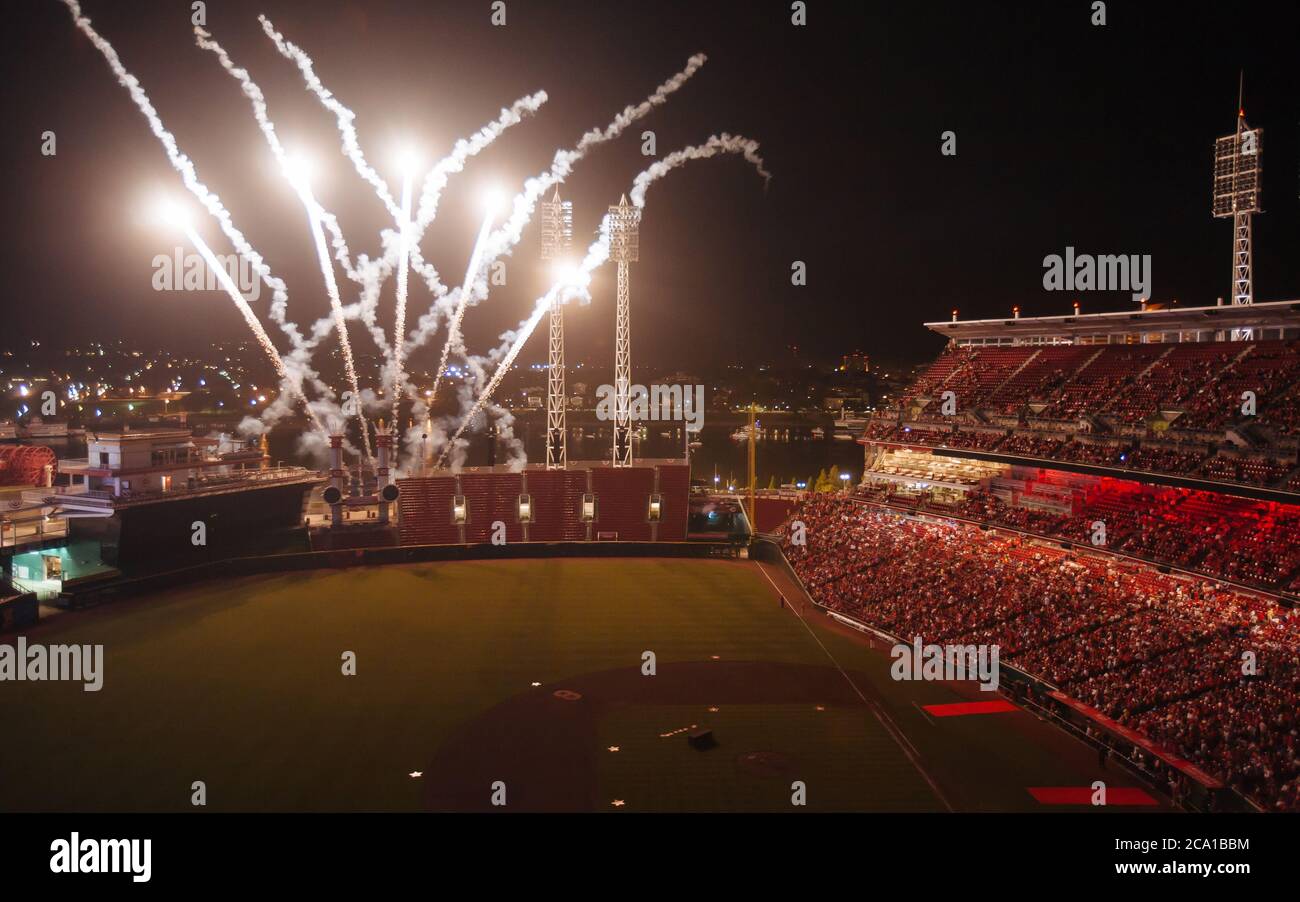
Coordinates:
x,y
557,241
625,219
1236,194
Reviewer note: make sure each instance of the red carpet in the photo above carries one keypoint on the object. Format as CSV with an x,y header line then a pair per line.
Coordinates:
x,y
1082,795
959,708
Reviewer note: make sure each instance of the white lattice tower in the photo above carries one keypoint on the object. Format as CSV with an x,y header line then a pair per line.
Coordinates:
x,y
1236,193
624,249
557,240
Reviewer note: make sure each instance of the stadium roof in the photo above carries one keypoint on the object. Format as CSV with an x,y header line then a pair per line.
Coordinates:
x,y
1282,317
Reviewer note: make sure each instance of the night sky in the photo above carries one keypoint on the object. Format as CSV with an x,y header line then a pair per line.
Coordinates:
x,y
1067,134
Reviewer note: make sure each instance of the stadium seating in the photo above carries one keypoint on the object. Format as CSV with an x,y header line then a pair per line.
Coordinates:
x,y
1255,543
492,498
424,511
557,502
1158,653
1091,403
622,502
674,487
622,508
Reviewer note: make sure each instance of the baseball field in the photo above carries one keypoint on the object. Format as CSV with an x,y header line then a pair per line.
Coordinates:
x,y
515,685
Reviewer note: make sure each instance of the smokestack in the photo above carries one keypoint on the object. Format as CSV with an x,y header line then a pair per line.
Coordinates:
x,y
383,444
338,481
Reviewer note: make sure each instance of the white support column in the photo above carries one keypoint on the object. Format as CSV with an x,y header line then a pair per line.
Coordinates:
x,y
557,442
625,220
557,240
623,372
1243,277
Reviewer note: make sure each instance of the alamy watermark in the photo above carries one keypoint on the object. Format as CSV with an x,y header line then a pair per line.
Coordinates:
x,y
1104,272
189,272
103,856
658,402
946,662
38,663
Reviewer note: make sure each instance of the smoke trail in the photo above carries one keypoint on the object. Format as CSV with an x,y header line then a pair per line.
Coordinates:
x,y
340,317
344,116
267,127
597,254
504,239
716,144
319,216
455,340
399,328
371,274
214,266
279,312
297,371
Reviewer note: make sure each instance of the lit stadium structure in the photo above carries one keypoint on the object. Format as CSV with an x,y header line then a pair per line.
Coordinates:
x,y
1058,423
623,249
1236,194
1114,500
1118,394
557,241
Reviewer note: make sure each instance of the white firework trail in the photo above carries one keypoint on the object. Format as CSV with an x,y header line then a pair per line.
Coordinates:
x,y
279,312
399,328
398,249
340,316
431,193
182,164
597,254
455,340
214,266
319,216
504,239
258,100
343,115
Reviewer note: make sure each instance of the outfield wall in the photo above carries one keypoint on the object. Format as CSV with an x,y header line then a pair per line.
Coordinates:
x,y
128,587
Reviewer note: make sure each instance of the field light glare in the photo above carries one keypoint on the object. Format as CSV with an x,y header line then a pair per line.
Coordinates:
x,y
173,214
299,168
408,161
493,199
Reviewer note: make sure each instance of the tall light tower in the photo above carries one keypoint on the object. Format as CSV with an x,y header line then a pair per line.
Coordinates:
x,y
624,220
1236,194
557,240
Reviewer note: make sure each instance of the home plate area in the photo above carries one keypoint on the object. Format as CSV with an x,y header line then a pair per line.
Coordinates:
x,y
697,736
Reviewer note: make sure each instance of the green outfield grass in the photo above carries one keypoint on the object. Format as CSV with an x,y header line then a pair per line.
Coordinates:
x,y
239,684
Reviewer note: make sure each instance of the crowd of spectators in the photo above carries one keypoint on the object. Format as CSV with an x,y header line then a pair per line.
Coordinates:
x,y
1163,655
1186,393
1255,543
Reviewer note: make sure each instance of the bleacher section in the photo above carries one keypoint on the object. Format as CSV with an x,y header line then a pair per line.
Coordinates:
x,y
1161,654
491,498
1169,408
622,504
1256,543
557,499
424,511
675,487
